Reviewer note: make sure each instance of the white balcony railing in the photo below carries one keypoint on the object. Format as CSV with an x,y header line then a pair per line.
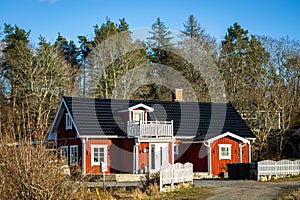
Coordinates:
x,y
150,129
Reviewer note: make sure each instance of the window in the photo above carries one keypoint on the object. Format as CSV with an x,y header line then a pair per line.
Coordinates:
x,y
224,151
73,155
176,149
99,154
64,154
68,121
138,115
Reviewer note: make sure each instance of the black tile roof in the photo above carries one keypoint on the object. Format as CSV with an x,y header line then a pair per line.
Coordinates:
x,y
201,120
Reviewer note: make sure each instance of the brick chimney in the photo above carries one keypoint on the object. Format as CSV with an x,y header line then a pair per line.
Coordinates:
x,y
177,95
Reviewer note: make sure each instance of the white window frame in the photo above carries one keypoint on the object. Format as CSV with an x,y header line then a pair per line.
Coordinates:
x,y
93,146
68,122
225,157
176,149
64,157
71,155
140,113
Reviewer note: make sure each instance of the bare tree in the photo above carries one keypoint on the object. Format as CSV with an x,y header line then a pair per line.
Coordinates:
x,y
37,77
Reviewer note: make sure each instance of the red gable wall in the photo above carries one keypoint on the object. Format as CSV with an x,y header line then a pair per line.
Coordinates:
x,y
219,166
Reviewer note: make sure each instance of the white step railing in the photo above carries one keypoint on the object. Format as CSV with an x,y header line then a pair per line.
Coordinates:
x,y
176,173
150,129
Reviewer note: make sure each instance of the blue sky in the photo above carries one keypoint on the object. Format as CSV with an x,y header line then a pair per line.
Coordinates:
x,y
275,18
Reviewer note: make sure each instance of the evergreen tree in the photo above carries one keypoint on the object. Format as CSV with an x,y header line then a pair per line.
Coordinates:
x,y
233,60
193,31
73,56
200,50
159,43
70,50
35,79
159,51
16,58
112,56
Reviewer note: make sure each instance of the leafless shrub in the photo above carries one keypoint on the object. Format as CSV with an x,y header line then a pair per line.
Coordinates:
x,y
30,171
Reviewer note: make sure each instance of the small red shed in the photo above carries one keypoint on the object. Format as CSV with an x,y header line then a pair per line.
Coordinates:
x,y
212,155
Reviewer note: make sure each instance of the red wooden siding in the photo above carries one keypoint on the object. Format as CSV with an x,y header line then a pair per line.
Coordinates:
x,y
170,152
195,153
62,132
68,138
70,142
96,168
122,155
143,156
218,165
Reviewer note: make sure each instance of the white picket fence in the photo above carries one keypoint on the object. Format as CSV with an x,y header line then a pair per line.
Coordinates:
x,y
270,167
177,173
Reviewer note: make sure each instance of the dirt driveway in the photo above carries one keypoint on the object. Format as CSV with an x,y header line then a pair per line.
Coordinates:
x,y
240,189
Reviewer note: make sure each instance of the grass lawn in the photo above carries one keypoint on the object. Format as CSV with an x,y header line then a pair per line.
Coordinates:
x,y
293,193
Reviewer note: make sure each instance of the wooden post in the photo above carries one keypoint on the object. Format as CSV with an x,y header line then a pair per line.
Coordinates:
x,y
103,166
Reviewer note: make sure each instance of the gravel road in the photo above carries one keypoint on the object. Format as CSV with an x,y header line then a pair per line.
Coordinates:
x,y
240,189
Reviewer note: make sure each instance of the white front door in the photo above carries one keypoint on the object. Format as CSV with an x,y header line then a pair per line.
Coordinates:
x,y
158,156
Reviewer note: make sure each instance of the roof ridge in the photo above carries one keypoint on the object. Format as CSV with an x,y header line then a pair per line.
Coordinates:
x,y
147,100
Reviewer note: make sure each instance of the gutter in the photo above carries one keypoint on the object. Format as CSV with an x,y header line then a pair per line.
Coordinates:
x,y
207,144
84,155
241,151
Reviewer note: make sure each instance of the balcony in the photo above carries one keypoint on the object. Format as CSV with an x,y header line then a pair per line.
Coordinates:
x,y
150,129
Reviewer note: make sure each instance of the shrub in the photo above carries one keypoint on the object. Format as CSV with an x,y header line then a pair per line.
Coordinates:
x,y
32,172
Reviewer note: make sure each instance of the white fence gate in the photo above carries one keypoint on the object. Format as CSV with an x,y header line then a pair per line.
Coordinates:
x,y
270,167
177,173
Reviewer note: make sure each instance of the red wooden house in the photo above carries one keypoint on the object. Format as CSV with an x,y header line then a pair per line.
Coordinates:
x,y
136,136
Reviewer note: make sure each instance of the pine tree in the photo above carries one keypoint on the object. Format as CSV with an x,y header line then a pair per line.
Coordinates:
x,y
159,43
112,56
200,50
194,31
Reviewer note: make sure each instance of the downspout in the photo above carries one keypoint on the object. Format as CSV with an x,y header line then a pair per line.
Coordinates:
x,y
83,156
208,156
172,153
135,157
249,152
241,151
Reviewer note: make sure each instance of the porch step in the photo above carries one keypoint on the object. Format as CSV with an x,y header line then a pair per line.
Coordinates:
x,y
130,177
203,175
119,178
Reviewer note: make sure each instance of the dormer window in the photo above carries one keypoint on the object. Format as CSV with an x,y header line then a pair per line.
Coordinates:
x,y
68,122
138,115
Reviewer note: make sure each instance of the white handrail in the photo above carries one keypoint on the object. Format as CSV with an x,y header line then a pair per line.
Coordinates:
x,y
150,129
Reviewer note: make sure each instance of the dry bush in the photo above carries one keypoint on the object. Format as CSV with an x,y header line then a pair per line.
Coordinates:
x,y
288,195
152,189
129,193
136,193
32,172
